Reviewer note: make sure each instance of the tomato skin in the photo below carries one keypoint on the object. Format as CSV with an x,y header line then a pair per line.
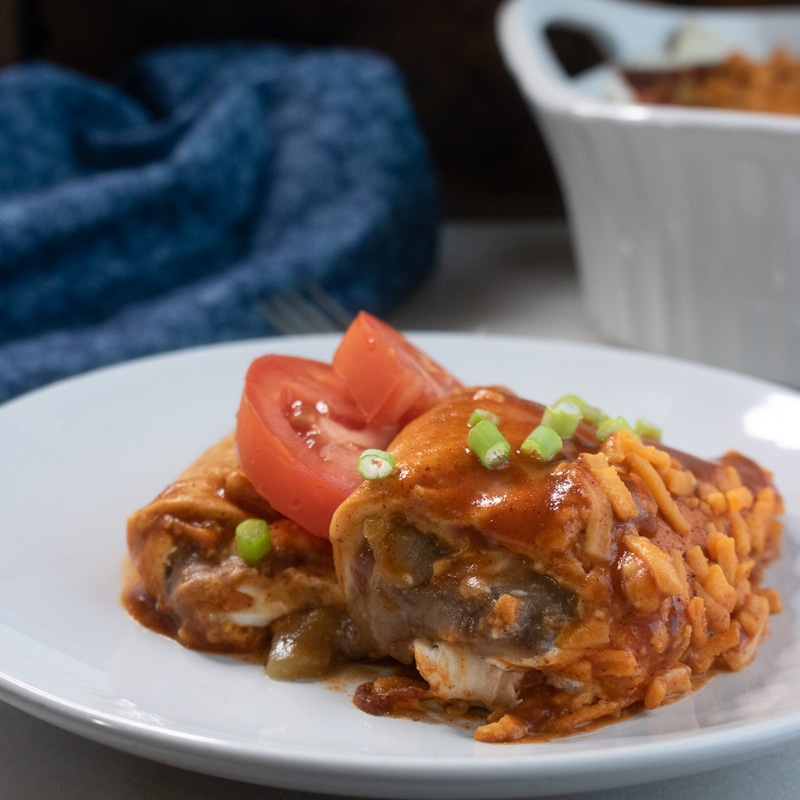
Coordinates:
x,y
299,435
302,424
390,379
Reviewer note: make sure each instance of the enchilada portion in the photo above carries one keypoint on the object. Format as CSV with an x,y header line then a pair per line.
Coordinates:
x,y
553,590
192,582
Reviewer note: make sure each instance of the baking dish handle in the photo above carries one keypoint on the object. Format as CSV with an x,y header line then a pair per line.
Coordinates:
x,y
522,27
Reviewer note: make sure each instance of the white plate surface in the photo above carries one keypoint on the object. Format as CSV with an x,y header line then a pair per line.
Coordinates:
x,y
77,457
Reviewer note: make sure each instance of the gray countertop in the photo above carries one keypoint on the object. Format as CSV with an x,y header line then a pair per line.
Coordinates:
x,y
512,278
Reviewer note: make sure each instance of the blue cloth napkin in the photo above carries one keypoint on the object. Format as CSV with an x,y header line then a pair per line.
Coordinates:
x,y
156,212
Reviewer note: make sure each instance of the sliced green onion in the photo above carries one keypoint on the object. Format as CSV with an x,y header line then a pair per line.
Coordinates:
x,y
375,464
588,412
563,417
486,441
543,442
647,429
611,425
481,413
253,541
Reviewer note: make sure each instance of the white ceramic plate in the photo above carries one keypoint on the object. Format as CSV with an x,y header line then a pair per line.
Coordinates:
x,y
77,457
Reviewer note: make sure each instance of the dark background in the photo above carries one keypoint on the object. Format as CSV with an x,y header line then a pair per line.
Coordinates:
x,y
486,149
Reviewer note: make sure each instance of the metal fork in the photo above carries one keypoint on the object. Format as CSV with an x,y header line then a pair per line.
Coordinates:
x,y
305,309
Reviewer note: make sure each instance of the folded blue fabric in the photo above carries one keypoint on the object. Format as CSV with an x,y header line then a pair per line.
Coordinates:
x,y
160,211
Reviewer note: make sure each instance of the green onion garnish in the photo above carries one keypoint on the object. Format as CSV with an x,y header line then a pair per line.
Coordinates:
x,y
375,464
481,413
611,425
590,413
486,441
543,442
647,429
253,541
563,417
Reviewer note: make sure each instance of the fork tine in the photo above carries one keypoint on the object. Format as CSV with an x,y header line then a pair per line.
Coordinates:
x,y
336,312
307,309
289,312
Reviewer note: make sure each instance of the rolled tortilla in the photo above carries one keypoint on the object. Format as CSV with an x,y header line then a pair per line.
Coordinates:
x,y
555,593
190,575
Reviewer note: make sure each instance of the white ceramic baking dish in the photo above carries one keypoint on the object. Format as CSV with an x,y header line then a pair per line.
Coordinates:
x,y
685,221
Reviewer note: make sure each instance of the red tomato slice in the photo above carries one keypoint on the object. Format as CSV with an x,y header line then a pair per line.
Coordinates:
x,y
299,435
390,379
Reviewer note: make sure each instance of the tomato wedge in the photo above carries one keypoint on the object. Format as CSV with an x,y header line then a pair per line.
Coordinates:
x,y
299,435
390,379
